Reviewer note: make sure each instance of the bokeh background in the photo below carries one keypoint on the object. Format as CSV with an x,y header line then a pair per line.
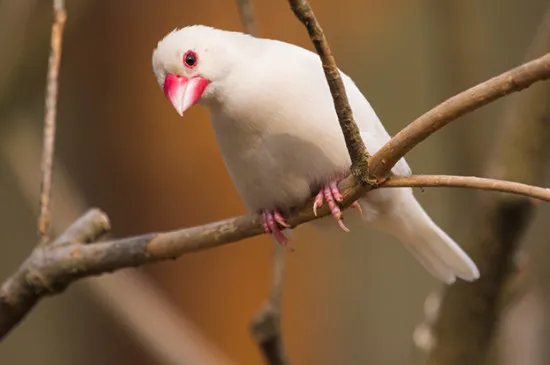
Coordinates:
x,y
349,299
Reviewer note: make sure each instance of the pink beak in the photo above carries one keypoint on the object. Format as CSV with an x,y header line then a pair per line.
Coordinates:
x,y
183,92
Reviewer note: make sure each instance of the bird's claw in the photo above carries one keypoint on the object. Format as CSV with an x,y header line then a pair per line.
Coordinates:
x,y
279,219
271,222
331,195
318,202
328,193
357,206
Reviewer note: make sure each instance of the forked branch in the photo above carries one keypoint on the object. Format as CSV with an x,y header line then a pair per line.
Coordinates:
x,y
470,182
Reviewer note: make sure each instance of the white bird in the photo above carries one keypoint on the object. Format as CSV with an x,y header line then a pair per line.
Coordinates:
x,y
276,126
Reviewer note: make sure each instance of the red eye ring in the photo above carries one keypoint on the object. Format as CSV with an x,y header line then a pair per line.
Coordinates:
x,y
190,59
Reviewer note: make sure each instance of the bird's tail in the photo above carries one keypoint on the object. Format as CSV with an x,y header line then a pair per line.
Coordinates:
x,y
432,247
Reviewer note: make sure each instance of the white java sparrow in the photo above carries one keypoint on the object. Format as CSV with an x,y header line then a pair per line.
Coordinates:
x,y
276,126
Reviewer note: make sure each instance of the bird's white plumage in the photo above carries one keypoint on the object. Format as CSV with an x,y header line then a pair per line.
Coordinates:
x,y
275,123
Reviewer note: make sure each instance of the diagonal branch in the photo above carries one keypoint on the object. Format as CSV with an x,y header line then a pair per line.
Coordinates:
x,y
467,101
356,148
60,16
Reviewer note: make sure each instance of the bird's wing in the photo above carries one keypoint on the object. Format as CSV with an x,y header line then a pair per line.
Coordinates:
x,y
373,133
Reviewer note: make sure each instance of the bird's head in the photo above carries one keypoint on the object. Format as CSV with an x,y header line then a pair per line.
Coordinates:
x,y
190,62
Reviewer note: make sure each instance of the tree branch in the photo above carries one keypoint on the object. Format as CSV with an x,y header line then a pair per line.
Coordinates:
x,y
356,148
129,298
60,16
49,269
147,314
59,265
471,182
20,292
467,101
86,229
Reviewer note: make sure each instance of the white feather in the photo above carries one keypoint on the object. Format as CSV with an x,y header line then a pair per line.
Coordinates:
x,y
275,123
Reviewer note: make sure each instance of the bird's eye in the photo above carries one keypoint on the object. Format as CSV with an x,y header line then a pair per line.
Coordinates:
x,y
190,59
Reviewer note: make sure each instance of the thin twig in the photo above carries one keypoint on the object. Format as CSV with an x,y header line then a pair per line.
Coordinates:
x,y
470,182
86,229
246,13
60,16
57,267
356,148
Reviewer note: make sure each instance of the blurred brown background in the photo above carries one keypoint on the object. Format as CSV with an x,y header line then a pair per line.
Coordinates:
x,y
355,299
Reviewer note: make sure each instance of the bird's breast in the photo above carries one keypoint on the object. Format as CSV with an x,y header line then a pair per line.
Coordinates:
x,y
273,165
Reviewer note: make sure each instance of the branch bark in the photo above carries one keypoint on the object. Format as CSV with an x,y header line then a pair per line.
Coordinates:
x,y
467,101
470,312
356,148
60,16
470,182
19,294
49,269
129,298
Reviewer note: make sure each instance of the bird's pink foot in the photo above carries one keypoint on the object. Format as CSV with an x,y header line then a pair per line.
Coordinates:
x,y
271,221
331,195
